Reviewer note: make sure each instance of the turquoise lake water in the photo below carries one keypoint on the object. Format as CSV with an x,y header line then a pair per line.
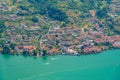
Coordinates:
x,y
104,66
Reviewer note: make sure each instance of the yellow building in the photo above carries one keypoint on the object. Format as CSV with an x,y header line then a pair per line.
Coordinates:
x,y
1,49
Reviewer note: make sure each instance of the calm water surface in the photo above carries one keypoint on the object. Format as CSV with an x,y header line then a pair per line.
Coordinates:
x,y
105,66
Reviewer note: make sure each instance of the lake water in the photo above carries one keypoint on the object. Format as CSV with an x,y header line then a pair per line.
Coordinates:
x,y
105,66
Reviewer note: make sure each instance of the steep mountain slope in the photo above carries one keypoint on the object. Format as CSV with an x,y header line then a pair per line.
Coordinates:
x,y
28,22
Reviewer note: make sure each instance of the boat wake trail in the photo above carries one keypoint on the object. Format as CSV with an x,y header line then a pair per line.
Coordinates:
x,y
47,63
53,58
44,74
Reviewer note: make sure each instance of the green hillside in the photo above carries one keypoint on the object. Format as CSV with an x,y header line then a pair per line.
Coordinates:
x,y
27,22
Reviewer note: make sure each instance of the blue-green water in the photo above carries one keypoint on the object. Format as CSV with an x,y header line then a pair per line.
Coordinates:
x,y
105,66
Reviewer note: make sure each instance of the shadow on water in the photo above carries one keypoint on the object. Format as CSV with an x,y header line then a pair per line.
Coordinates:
x,y
44,58
6,56
35,58
25,56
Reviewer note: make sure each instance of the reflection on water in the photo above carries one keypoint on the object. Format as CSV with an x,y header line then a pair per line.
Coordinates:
x,y
6,56
44,58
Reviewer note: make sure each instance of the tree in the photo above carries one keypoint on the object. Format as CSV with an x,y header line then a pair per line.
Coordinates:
x,y
23,7
6,50
12,46
2,27
35,19
34,52
57,41
57,14
25,52
102,13
44,53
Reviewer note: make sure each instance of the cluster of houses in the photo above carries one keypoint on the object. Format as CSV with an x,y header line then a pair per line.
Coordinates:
x,y
67,40
29,36
24,37
76,41
29,48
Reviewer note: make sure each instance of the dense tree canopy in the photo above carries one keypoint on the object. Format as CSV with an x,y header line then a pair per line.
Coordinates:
x,y
2,27
56,14
48,7
6,50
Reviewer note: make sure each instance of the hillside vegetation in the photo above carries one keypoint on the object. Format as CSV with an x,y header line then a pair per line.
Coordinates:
x,y
28,22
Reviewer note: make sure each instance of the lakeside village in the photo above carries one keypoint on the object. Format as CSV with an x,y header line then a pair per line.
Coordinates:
x,y
68,40
35,38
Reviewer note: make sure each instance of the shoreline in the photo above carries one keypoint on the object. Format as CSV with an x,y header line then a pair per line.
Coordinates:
x,y
66,54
